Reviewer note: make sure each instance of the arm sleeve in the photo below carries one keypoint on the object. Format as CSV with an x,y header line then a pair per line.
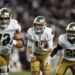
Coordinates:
x,y
29,43
55,50
18,28
50,44
16,25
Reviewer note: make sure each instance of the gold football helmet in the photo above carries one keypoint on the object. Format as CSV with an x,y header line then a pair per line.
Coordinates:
x,y
4,17
39,21
70,30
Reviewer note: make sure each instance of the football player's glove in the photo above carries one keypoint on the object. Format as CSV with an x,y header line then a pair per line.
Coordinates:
x,y
40,21
4,17
70,30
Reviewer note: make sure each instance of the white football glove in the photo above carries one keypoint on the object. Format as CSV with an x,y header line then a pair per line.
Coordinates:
x,y
47,61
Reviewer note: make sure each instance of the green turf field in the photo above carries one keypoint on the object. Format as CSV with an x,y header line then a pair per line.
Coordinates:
x,y
20,73
29,73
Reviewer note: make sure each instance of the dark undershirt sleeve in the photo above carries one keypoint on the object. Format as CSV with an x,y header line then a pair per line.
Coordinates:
x,y
55,50
59,47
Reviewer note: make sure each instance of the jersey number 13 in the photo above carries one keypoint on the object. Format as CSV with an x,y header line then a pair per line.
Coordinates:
x,y
4,39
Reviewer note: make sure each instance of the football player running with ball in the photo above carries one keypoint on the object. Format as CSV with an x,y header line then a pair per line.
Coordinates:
x,y
67,43
39,46
9,36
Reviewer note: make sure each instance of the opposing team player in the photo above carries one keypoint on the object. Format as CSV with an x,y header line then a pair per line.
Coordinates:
x,y
67,43
9,36
39,46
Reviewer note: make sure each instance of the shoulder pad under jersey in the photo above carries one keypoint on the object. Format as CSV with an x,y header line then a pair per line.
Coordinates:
x,y
48,32
62,39
15,24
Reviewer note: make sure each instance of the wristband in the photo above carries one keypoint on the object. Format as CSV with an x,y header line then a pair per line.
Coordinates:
x,y
47,49
14,42
30,55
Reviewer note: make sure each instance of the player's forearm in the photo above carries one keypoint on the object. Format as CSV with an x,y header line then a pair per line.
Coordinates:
x,y
50,45
30,56
43,45
55,50
29,50
48,49
18,43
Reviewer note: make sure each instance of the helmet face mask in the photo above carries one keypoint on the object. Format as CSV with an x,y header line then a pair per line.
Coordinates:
x,y
71,35
39,28
70,31
39,24
4,17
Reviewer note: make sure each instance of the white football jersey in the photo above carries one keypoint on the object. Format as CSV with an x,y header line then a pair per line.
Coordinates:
x,y
33,37
69,49
6,36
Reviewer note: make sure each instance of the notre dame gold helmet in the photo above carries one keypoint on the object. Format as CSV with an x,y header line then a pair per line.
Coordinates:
x,y
40,21
4,17
5,13
70,30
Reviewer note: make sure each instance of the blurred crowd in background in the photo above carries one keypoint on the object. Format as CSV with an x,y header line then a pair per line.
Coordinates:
x,y
58,14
